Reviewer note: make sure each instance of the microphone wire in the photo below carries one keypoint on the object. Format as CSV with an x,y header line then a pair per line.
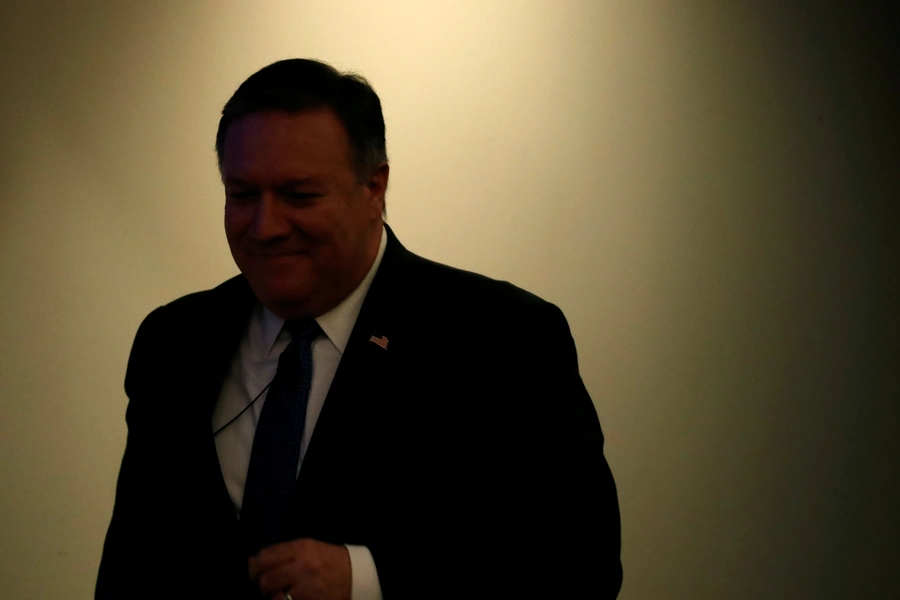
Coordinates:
x,y
235,418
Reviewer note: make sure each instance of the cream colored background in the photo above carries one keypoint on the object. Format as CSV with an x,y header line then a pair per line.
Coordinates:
x,y
708,190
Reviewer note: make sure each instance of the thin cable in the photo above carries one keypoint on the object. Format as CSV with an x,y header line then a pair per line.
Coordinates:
x,y
235,418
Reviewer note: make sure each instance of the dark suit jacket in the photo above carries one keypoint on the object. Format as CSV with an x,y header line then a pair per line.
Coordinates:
x,y
467,456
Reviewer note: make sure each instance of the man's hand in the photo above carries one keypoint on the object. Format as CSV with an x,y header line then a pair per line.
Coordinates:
x,y
307,568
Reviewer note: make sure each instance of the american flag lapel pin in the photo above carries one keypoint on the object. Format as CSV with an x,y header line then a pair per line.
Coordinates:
x,y
381,342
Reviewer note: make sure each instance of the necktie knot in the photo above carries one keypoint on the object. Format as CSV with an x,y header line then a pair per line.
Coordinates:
x,y
305,330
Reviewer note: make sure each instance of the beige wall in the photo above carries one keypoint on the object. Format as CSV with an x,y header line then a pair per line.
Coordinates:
x,y
708,190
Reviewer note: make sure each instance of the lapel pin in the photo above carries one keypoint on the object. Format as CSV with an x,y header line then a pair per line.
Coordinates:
x,y
382,341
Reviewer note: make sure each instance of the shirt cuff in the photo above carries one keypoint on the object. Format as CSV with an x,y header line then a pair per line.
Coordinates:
x,y
364,576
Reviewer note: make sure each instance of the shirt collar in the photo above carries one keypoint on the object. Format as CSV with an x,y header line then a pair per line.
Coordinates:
x,y
339,321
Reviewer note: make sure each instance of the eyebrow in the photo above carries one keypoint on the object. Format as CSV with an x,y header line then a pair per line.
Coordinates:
x,y
297,181
288,183
235,181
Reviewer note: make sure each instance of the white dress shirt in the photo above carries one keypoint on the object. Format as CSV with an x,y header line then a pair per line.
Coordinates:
x,y
251,370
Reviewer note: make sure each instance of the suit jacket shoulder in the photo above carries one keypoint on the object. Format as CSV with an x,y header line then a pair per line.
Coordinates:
x,y
187,343
490,435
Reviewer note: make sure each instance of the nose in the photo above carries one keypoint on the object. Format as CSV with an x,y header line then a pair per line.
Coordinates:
x,y
269,221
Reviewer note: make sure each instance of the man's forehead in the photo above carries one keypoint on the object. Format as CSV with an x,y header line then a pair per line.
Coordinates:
x,y
298,146
279,126
288,180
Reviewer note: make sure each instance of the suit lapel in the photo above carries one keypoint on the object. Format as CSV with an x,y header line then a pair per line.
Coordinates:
x,y
359,388
221,331
223,328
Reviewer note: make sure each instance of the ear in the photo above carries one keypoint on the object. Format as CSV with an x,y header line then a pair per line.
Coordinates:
x,y
377,186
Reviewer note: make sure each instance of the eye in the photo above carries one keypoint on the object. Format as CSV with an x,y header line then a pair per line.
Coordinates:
x,y
241,196
300,197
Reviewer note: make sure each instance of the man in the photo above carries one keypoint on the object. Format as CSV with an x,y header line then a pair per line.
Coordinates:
x,y
346,419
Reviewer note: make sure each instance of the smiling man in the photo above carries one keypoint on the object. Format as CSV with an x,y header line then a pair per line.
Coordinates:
x,y
345,419
303,224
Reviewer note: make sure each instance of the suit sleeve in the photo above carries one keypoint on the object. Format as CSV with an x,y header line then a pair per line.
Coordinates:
x,y
577,498
164,537
124,560
559,509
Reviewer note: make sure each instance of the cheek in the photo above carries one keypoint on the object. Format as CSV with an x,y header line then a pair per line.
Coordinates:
x,y
237,219
324,226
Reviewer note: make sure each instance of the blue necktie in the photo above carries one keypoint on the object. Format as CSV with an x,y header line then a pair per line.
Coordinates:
x,y
276,444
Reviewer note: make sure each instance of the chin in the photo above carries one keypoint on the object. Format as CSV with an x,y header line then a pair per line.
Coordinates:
x,y
284,301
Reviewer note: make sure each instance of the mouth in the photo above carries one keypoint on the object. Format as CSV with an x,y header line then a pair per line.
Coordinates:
x,y
262,253
273,256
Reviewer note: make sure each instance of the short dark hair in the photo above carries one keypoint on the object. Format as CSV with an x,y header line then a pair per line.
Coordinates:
x,y
299,84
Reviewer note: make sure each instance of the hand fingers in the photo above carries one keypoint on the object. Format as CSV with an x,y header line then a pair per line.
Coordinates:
x,y
253,567
277,579
275,555
268,558
271,556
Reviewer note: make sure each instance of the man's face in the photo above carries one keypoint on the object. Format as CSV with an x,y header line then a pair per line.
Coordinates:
x,y
302,229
